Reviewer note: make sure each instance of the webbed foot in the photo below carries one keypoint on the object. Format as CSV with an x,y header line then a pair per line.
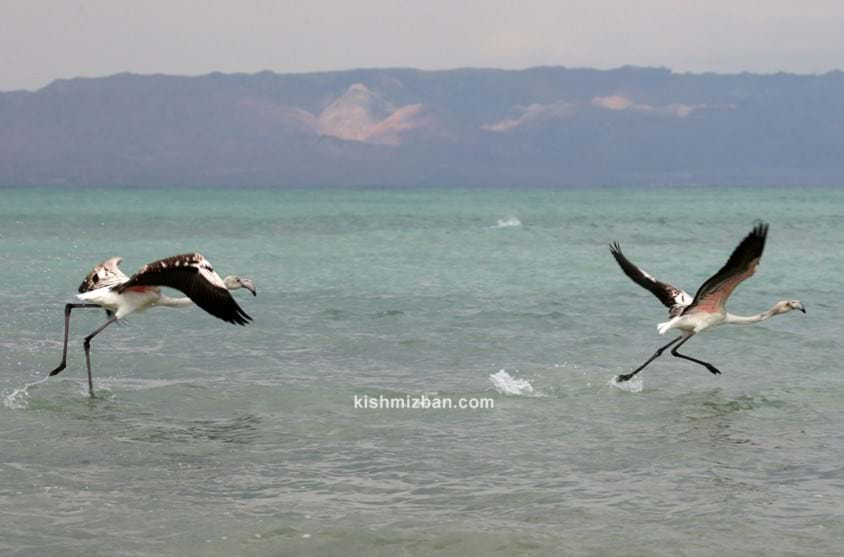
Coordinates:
x,y
58,369
713,370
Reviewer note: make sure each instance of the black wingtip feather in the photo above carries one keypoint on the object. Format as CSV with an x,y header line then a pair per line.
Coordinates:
x,y
240,318
615,250
665,293
758,234
233,314
760,230
750,248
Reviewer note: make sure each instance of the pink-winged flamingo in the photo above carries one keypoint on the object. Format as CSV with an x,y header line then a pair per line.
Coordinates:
x,y
707,309
107,287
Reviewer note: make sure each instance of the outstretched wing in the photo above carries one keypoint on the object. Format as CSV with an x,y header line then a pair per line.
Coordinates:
x,y
105,274
673,298
192,274
712,295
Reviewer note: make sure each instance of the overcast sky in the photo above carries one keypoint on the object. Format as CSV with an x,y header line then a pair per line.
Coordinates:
x,y
42,40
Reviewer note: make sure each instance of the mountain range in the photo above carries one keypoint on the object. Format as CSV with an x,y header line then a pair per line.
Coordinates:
x,y
546,126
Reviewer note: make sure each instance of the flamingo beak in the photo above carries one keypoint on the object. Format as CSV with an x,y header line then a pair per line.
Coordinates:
x,y
249,285
801,308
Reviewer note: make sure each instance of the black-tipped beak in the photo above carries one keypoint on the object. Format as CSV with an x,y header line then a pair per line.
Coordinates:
x,y
802,309
249,285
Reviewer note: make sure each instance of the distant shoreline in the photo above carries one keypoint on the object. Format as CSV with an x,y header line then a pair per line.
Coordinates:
x,y
537,127
427,187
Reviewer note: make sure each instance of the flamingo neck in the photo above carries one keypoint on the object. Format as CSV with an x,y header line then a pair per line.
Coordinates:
x,y
167,301
748,320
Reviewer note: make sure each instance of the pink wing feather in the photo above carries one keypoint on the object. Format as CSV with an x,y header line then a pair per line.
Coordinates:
x,y
712,296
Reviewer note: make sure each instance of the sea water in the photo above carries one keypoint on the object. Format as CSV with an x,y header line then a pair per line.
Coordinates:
x,y
211,439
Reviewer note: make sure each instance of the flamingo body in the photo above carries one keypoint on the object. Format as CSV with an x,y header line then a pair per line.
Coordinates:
x,y
133,300
692,323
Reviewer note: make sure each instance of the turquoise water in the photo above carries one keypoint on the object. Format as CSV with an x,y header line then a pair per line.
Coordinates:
x,y
209,439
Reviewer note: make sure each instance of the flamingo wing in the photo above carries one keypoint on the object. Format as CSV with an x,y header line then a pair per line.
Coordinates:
x,y
194,275
673,298
712,296
105,274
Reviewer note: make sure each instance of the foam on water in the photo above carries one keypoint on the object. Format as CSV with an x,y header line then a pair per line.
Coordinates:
x,y
506,384
634,385
508,222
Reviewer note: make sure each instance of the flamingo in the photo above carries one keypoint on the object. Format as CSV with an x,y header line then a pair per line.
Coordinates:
x,y
707,309
107,287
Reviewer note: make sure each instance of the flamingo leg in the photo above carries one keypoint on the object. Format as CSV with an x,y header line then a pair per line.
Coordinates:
x,y
67,309
712,369
87,344
657,354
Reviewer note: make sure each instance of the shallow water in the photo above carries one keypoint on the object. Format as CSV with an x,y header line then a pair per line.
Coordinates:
x,y
209,439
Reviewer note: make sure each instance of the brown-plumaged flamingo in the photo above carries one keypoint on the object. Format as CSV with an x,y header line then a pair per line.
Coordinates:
x,y
707,309
107,287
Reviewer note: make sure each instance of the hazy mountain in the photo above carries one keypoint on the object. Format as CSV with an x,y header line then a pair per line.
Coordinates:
x,y
542,126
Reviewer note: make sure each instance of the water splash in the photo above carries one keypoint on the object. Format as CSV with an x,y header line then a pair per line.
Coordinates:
x,y
508,222
19,398
506,384
634,385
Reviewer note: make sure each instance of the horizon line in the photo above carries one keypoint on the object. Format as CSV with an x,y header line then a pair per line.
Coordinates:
x,y
628,67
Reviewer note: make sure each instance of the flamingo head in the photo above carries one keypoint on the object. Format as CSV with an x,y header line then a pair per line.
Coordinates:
x,y
233,283
788,305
